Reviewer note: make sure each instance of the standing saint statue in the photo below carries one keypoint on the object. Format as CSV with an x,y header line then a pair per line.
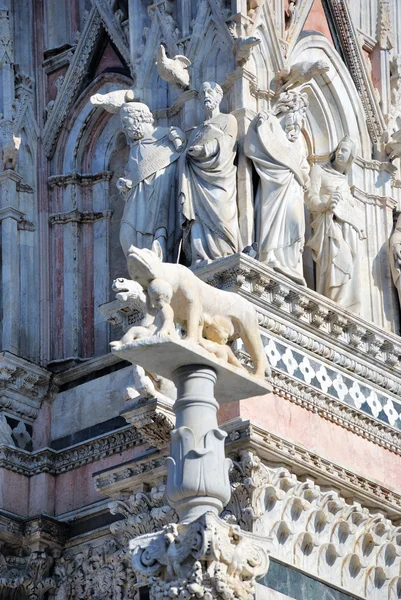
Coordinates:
x,y
208,189
149,185
395,256
337,228
272,143
151,211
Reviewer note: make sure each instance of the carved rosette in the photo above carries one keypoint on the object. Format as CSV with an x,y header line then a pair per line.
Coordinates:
x,y
207,559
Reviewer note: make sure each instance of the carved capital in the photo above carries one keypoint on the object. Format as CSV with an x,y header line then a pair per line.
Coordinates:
x,y
208,559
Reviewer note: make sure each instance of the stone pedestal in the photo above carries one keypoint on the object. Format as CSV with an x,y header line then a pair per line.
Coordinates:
x,y
202,556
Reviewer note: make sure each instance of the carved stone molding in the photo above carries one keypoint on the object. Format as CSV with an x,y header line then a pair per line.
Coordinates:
x,y
23,386
81,179
75,216
143,512
98,571
355,62
154,419
52,461
316,530
73,77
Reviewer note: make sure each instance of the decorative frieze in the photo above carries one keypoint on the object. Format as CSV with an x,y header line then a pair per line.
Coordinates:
x,y
81,179
317,531
75,216
56,462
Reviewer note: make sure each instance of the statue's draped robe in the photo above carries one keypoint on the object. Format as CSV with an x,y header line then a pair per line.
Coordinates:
x,y
394,264
151,211
208,192
335,240
279,201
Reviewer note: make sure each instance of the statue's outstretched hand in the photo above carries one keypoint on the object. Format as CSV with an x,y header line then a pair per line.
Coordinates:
x,y
178,138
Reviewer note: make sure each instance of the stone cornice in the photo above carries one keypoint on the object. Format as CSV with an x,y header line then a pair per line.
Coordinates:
x,y
23,386
75,216
81,179
242,435
52,461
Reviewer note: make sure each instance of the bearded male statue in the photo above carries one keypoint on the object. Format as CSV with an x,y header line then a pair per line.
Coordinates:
x,y
208,183
149,183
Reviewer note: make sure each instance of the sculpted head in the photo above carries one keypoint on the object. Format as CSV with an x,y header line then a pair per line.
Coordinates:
x,y
293,105
135,117
344,155
211,95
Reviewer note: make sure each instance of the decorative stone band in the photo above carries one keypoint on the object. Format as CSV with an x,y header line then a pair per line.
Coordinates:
x,y
86,179
75,216
121,480
56,462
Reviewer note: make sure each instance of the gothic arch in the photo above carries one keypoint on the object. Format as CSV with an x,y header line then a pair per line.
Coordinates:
x,y
335,106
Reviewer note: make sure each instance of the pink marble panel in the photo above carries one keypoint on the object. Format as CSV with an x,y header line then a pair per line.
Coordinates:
x,y
76,488
41,427
14,492
41,494
324,438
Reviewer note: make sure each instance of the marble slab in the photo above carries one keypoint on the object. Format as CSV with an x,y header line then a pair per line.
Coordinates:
x,y
163,356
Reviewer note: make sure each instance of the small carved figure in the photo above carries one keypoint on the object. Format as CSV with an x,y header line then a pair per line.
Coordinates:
x,y
243,48
159,293
393,147
300,73
208,183
337,226
395,256
280,161
148,186
196,304
218,331
173,70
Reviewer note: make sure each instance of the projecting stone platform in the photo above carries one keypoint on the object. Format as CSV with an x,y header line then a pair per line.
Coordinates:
x,y
163,356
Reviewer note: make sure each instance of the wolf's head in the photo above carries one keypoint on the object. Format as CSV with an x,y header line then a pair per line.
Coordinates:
x,y
144,264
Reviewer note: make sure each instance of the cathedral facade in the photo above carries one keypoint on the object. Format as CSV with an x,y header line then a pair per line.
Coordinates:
x,y
252,146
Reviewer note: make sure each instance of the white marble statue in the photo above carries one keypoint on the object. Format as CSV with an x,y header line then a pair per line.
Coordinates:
x,y
272,142
395,256
338,226
149,185
210,317
208,183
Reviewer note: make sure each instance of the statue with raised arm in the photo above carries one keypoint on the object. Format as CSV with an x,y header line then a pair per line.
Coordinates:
x,y
395,256
149,184
272,143
337,227
208,190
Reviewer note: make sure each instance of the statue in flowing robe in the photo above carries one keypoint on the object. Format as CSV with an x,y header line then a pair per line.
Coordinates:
x,y
149,185
208,191
272,143
395,256
337,227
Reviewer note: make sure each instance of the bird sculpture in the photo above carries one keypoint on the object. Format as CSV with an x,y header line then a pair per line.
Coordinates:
x,y
251,250
173,70
300,73
243,48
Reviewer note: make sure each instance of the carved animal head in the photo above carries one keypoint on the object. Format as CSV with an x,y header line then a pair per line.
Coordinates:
x,y
321,66
143,263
